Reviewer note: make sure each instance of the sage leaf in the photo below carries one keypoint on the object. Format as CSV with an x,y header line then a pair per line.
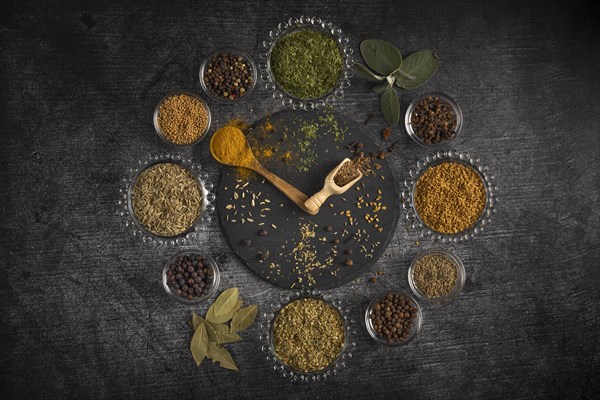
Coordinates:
x,y
244,318
364,71
422,65
222,356
381,89
381,56
226,301
390,106
220,319
199,344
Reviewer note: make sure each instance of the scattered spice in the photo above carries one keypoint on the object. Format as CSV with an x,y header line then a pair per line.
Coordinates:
x,y
212,331
386,133
189,277
228,145
308,335
435,275
182,119
346,174
166,199
262,232
228,76
393,317
450,197
306,64
433,120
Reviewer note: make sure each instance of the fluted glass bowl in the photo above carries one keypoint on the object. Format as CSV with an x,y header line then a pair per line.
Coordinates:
x,y
207,260
157,125
485,219
231,51
416,326
268,346
460,276
294,25
125,209
408,115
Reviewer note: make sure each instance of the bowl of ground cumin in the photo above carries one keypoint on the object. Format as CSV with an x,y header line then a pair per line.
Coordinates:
x,y
436,275
450,196
181,118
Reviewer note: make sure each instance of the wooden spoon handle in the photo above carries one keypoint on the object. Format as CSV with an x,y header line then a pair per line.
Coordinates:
x,y
315,202
290,191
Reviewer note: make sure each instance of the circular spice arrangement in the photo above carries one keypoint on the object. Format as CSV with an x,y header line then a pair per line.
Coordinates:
x,y
182,119
306,64
228,76
166,199
394,318
434,275
450,197
190,277
308,335
434,120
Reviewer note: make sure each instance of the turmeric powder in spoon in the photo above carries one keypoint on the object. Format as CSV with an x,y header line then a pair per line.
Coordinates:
x,y
228,145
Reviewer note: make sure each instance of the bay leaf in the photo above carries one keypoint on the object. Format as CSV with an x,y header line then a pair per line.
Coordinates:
x,y
422,65
196,320
220,319
364,71
199,344
222,334
210,330
390,106
243,318
381,56
226,301
222,356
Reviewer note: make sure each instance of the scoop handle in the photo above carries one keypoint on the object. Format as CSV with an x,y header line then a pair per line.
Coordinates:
x,y
314,203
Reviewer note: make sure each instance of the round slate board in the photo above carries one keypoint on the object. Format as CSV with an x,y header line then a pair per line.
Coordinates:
x,y
298,249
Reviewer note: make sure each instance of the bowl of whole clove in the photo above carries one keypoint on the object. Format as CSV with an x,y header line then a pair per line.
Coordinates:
x,y
433,119
190,277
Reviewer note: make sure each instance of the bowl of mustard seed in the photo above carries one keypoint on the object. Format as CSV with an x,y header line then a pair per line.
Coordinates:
x,y
181,118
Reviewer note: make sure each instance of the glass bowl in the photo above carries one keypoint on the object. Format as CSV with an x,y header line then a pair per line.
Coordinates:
x,y
232,51
125,209
416,327
157,110
460,278
268,347
293,25
413,104
207,260
466,159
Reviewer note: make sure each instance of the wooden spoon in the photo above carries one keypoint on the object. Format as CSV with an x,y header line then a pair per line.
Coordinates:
x,y
329,188
243,157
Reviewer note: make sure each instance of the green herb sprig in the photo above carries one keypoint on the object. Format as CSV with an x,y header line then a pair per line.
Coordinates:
x,y
211,331
385,59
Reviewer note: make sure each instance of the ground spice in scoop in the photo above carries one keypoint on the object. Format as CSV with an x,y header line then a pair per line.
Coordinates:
x,y
308,335
346,174
228,145
450,197
166,199
182,119
435,275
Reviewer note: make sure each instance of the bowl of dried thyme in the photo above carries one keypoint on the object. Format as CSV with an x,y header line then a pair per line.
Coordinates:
x,y
450,196
308,336
433,119
306,63
436,275
181,118
166,200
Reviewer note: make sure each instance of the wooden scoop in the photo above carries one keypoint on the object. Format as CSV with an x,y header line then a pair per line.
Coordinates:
x,y
242,156
316,201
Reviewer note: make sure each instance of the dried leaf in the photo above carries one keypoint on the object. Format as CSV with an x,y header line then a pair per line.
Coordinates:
x,y
364,71
196,320
381,56
244,318
214,319
390,106
220,334
226,301
199,344
210,330
222,356
422,65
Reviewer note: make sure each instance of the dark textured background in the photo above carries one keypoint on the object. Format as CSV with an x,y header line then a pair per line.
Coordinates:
x,y
82,311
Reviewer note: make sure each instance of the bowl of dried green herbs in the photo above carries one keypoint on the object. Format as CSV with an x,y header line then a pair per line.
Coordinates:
x,y
166,200
308,336
306,63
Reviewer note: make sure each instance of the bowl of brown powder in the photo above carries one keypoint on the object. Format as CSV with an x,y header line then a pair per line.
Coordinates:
x,y
181,118
450,196
436,275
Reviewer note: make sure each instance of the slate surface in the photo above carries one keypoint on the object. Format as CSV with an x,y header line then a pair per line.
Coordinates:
x,y
293,259
83,314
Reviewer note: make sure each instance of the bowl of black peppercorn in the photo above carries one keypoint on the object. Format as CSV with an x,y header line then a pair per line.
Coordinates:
x,y
191,277
393,318
433,119
228,75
